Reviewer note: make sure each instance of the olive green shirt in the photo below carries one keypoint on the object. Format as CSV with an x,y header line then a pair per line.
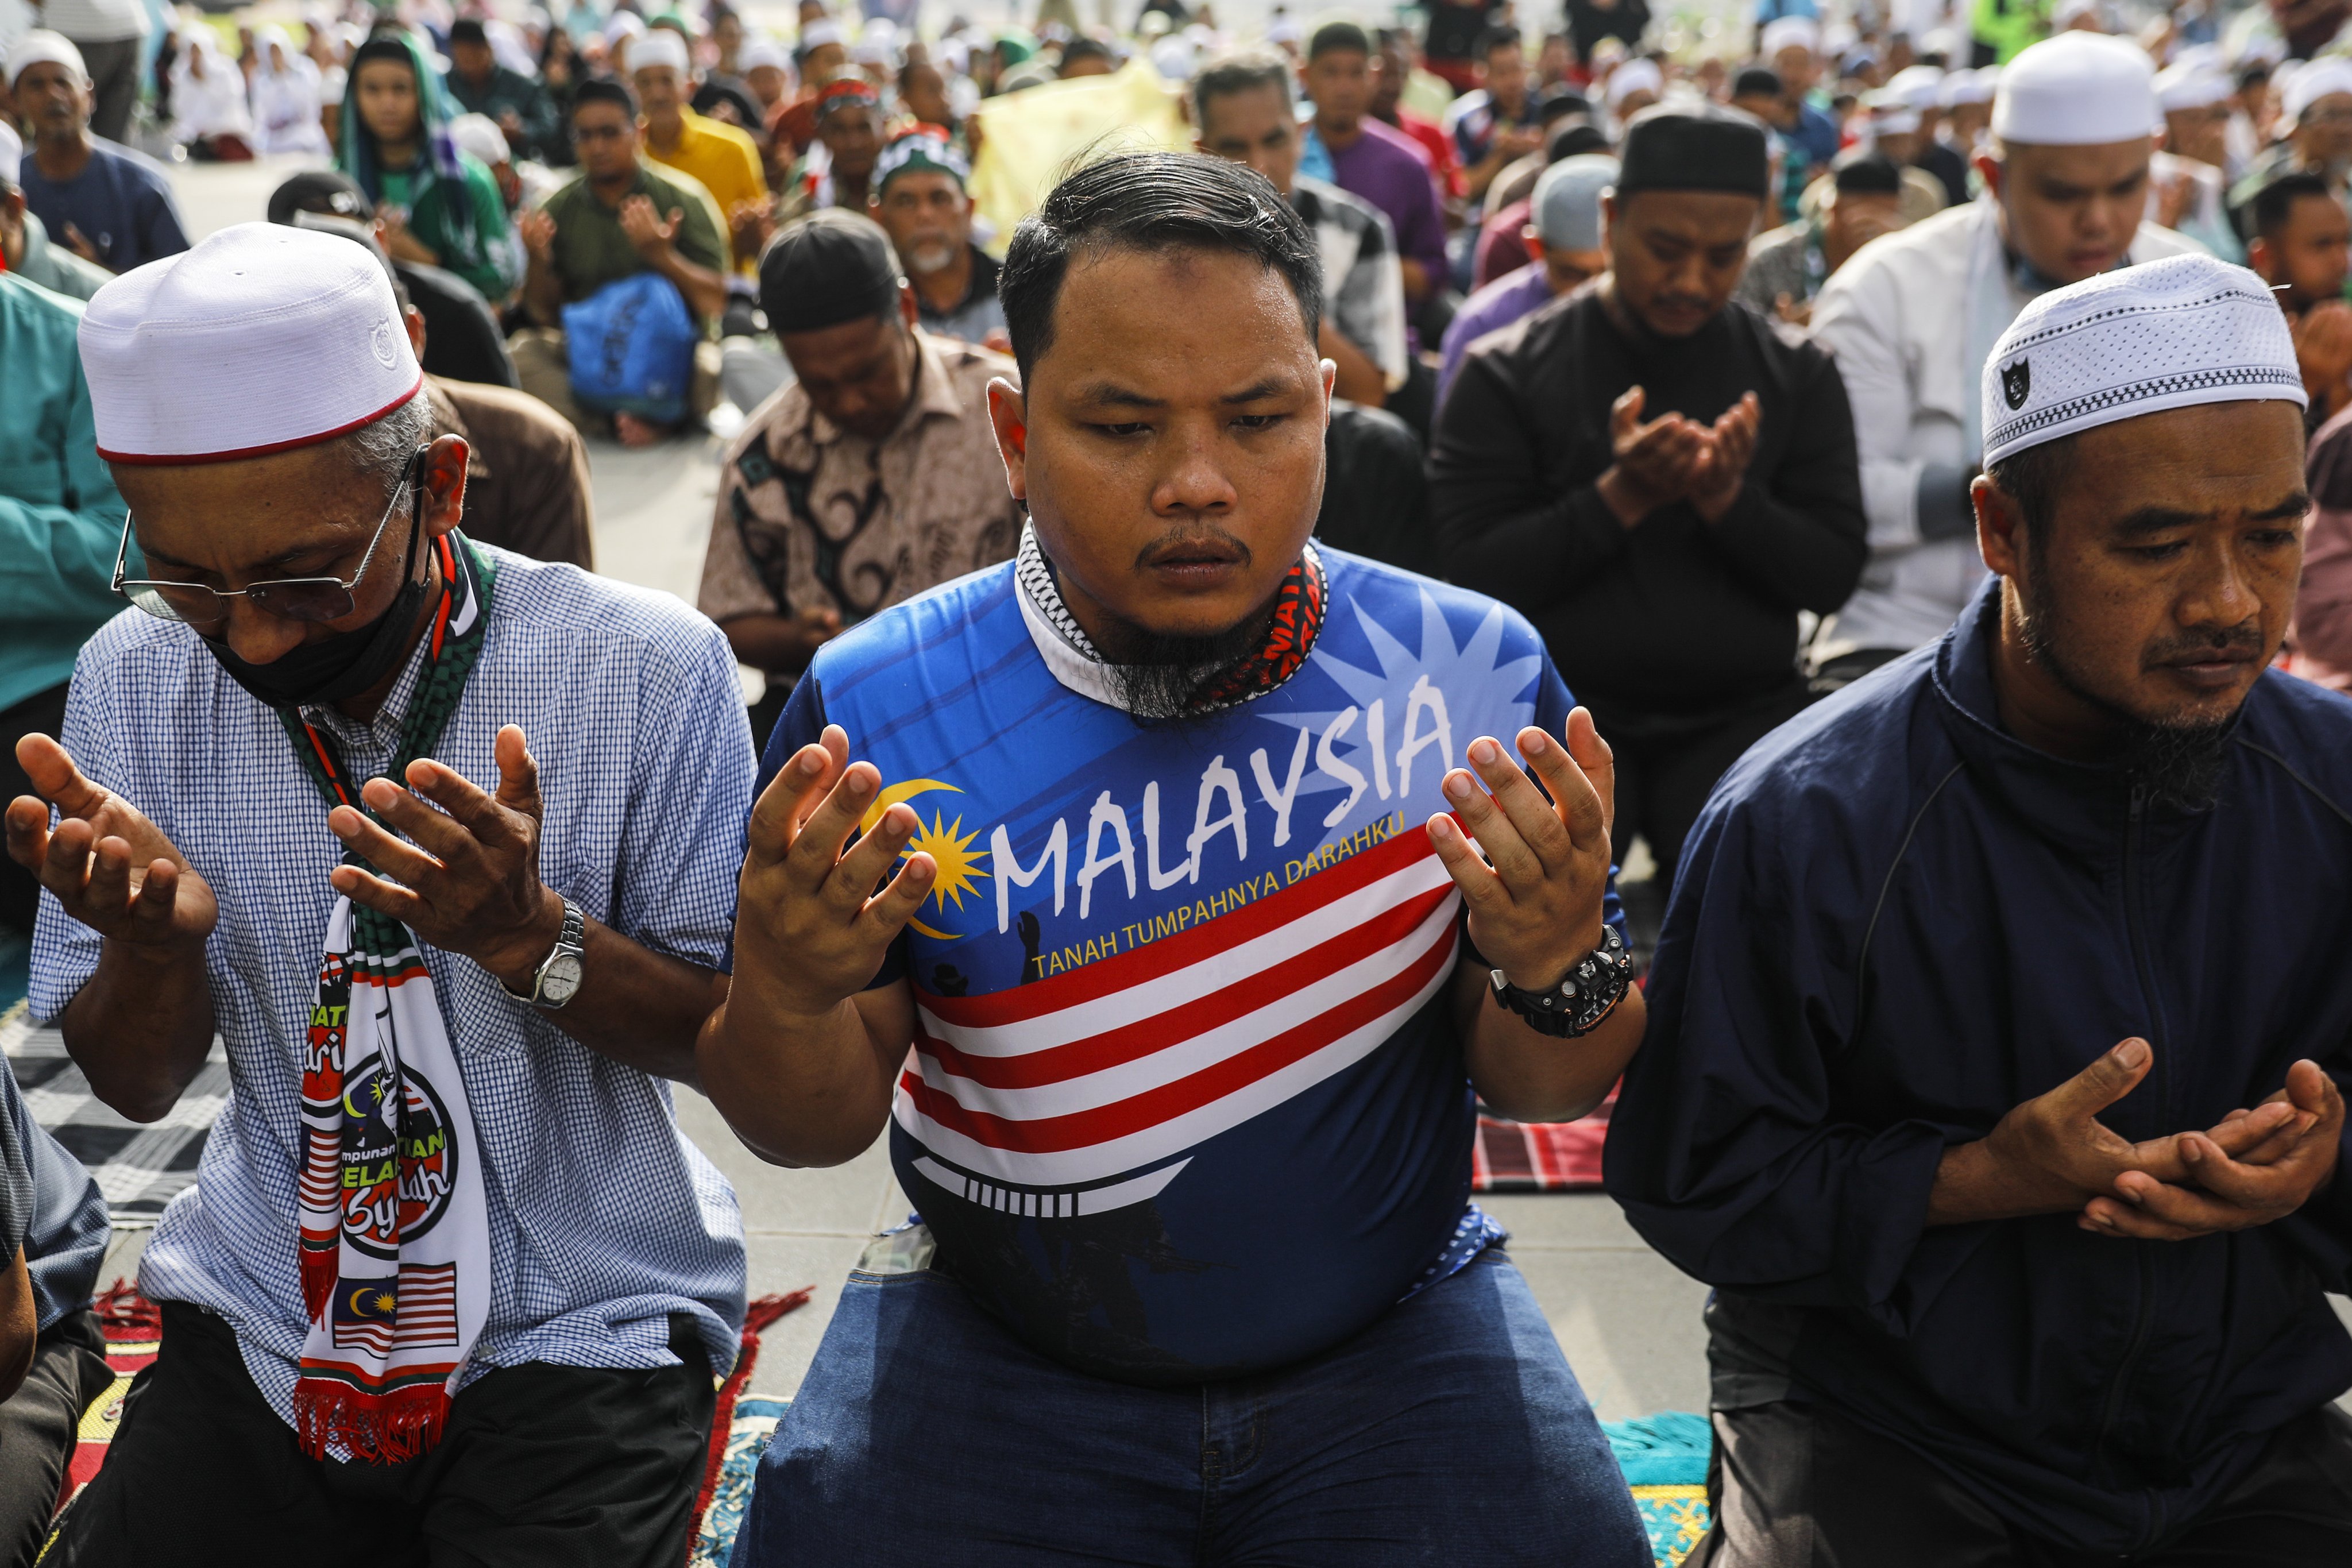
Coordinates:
x,y
591,248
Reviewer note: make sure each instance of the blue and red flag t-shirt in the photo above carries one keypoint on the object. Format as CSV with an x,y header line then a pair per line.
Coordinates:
x,y
1186,1099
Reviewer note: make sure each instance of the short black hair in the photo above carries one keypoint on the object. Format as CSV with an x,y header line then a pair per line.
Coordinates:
x,y
1571,137
1559,103
468,30
2032,479
1085,48
1229,75
1334,36
1866,171
1150,202
1756,81
2273,203
1494,39
605,90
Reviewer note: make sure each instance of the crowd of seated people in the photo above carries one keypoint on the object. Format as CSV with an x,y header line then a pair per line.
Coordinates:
x,y
1802,576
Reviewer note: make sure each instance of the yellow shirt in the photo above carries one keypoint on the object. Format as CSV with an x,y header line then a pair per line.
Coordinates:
x,y
724,160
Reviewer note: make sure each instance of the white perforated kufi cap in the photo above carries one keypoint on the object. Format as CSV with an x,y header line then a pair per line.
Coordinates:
x,y
2165,334
261,339
2077,89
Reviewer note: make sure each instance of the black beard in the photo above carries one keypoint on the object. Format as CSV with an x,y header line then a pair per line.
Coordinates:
x,y
2177,765
1159,676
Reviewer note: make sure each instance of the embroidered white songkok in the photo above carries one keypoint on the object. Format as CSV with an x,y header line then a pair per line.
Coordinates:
x,y
2164,334
261,339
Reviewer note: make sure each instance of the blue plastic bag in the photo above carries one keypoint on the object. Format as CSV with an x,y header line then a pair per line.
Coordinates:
x,y
631,347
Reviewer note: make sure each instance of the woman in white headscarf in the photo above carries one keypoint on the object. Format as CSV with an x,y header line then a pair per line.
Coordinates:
x,y
208,110
285,96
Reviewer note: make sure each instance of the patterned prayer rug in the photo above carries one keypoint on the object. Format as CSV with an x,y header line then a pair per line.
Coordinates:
x,y
1665,1459
139,1167
135,1333
747,1438
1539,1157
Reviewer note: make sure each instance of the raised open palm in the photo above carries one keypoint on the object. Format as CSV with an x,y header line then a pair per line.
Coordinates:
x,y
108,865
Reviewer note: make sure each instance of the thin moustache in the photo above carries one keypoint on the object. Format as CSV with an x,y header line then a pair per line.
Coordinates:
x,y
1222,547
2237,650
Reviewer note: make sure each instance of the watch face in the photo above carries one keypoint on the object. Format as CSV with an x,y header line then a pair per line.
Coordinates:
x,y
561,982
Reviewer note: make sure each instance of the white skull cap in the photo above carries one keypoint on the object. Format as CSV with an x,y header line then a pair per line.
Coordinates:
x,y
262,339
2140,340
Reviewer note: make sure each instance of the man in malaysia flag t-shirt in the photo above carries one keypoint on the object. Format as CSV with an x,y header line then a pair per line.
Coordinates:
x,y
1191,968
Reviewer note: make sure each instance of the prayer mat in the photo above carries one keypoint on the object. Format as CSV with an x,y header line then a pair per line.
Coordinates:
x,y
1665,1458
1539,1156
140,1168
739,1427
747,1439
135,1333
740,1430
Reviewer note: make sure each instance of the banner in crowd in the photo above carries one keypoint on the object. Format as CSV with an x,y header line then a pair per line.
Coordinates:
x,y
1027,138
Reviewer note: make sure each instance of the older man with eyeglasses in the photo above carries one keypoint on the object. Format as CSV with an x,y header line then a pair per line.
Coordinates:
x,y
447,1254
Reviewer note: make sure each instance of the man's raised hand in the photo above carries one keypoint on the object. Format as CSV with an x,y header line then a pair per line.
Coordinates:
x,y
1721,465
1534,898
2052,1154
466,882
808,917
2229,1179
1651,464
110,868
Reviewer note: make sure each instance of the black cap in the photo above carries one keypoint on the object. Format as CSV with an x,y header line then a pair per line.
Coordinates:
x,y
468,30
327,190
1866,173
1693,147
1756,81
831,267
344,228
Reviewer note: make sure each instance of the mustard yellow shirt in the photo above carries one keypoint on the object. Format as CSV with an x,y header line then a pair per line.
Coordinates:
x,y
724,160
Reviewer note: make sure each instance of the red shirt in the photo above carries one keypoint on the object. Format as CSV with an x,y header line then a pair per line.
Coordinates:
x,y
1444,163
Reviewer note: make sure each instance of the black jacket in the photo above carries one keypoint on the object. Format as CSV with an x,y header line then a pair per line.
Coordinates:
x,y
1375,497
1894,922
1675,616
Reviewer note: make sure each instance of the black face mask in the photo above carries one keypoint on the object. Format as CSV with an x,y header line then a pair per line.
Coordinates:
x,y
337,666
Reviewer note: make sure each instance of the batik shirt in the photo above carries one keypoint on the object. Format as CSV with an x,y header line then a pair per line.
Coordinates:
x,y
1187,1098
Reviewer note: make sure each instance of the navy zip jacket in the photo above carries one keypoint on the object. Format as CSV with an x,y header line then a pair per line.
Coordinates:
x,y
1893,923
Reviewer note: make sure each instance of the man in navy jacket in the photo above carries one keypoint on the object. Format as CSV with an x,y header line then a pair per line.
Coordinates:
x,y
1998,1021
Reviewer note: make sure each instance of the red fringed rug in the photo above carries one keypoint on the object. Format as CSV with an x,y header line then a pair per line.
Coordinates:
x,y
1539,1156
757,1316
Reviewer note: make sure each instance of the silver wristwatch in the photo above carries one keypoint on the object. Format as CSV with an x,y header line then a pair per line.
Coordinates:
x,y
557,979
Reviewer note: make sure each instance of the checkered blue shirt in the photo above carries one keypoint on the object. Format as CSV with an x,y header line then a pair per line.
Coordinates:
x,y
603,1217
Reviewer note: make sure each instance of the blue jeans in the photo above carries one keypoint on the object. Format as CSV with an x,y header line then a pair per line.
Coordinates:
x,y
1451,1431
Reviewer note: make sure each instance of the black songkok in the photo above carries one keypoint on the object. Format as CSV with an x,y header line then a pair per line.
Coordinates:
x,y
829,267
1693,147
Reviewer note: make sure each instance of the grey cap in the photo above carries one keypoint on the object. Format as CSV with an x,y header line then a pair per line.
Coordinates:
x,y
1566,202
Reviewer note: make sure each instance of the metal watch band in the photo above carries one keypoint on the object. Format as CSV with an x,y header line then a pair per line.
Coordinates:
x,y
570,940
1589,993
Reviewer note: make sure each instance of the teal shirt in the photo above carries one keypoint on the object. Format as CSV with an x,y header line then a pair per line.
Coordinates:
x,y
61,516
490,257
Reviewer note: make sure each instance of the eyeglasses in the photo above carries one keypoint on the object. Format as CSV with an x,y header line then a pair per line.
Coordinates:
x,y
295,598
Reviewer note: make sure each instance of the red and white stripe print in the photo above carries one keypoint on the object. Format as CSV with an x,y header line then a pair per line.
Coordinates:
x,y
428,1304
1134,1059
